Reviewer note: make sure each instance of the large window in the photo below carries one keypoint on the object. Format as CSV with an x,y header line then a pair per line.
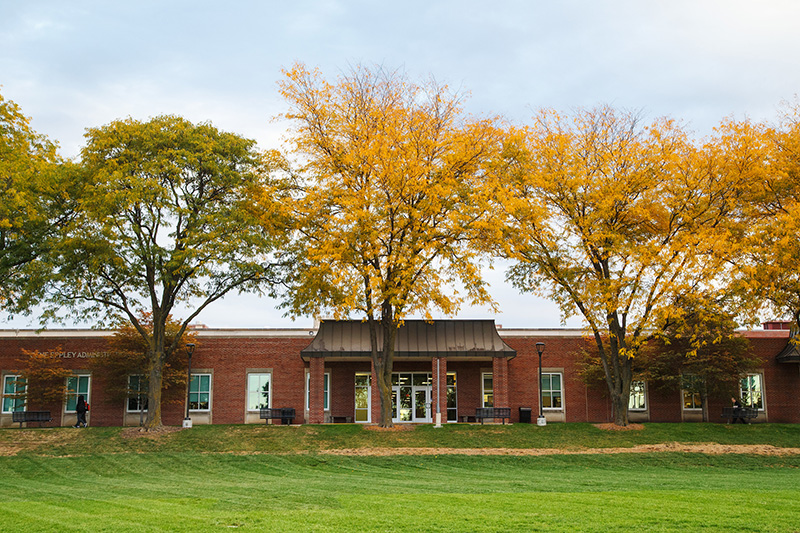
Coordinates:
x,y
362,395
137,393
13,389
200,392
691,386
551,390
258,385
326,399
452,403
487,389
638,397
76,386
752,391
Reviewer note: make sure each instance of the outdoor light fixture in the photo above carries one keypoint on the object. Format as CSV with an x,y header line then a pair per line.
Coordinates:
x,y
541,421
187,422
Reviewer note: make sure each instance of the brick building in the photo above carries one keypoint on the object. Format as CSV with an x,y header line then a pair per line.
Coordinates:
x,y
326,375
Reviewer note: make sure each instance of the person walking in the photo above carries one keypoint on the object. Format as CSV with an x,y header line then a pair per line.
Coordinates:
x,y
81,409
737,411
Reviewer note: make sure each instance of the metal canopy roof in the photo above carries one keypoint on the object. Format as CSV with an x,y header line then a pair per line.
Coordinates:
x,y
416,339
791,353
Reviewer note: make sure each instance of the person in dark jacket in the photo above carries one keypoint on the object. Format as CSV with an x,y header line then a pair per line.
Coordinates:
x,y
81,409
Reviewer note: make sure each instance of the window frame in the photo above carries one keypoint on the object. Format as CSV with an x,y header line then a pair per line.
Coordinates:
x,y
545,392
485,391
199,377
143,407
18,404
326,391
259,391
86,395
696,406
760,390
642,394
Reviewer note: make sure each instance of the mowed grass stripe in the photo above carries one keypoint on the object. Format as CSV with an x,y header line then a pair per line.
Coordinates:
x,y
193,492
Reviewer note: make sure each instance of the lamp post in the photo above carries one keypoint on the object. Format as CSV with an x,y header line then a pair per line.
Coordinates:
x,y
541,421
187,422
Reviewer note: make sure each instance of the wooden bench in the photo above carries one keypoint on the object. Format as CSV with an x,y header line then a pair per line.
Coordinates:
x,y
31,416
285,414
735,413
493,412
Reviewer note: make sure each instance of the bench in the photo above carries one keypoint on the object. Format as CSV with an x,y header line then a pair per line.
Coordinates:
x,y
31,416
493,412
734,413
285,414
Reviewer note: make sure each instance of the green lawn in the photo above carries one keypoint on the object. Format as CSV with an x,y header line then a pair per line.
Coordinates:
x,y
122,485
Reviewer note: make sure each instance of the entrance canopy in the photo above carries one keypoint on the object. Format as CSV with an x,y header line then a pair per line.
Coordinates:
x,y
791,353
416,339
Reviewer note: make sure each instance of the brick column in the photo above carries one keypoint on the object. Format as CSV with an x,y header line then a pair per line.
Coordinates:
x,y
316,389
500,381
439,385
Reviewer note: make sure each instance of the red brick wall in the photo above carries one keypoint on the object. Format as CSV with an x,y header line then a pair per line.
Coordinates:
x,y
229,357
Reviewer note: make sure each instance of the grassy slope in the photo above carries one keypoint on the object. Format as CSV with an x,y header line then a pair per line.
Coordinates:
x,y
307,438
108,483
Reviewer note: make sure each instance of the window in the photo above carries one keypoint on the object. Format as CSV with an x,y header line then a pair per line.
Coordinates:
x,y
362,394
200,392
487,390
13,389
137,393
752,391
691,391
326,379
638,397
76,386
551,390
258,386
452,404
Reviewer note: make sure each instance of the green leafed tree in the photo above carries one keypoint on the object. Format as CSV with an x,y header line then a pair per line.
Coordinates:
x,y
170,222
613,219
37,194
699,351
389,205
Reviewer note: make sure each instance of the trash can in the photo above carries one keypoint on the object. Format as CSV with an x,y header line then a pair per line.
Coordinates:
x,y
525,415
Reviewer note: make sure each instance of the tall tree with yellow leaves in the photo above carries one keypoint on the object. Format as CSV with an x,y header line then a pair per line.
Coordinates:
x,y
389,203
767,262
613,220
37,197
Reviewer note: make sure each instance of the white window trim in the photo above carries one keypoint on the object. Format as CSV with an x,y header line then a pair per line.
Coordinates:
x,y
326,396
86,396
763,407
247,391
560,390
644,393
14,377
144,399
483,389
210,392
683,396
369,398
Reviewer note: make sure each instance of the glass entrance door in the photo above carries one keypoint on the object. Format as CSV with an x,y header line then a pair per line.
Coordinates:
x,y
411,397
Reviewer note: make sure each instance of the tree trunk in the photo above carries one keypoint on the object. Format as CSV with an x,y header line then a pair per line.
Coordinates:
x,y
154,390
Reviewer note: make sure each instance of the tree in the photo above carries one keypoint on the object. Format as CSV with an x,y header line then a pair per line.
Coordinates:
x,y
699,350
389,205
36,199
43,376
129,356
770,251
613,220
170,221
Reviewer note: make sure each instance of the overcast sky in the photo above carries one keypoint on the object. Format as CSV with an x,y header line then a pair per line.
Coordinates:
x,y
79,64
